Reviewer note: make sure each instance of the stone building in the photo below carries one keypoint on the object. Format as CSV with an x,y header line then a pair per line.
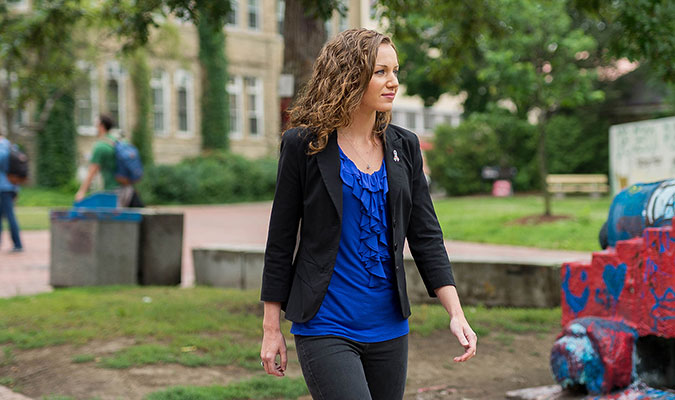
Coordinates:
x,y
254,51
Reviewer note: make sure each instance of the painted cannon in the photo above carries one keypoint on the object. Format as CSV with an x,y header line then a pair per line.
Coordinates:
x,y
619,317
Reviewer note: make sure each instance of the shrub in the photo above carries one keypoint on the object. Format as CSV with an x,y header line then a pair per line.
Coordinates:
x,y
218,177
460,153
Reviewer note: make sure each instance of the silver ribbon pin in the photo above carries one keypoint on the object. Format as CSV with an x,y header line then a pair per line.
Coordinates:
x,y
396,156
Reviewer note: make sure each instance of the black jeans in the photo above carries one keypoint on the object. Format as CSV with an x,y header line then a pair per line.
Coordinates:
x,y
342,369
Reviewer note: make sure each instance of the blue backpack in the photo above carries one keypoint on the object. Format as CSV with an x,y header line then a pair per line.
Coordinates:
x,y
129,165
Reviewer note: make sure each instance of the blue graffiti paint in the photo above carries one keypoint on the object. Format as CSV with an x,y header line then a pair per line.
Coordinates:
x,y
614,279
574,361
664,304
651,268
576,303
663,241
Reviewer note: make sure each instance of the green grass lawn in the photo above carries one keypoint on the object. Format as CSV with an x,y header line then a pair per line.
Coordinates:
x,y
33,204
491,220
195,327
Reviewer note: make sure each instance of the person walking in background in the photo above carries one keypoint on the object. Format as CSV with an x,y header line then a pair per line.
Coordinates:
x,y
103,160
8,193
354,186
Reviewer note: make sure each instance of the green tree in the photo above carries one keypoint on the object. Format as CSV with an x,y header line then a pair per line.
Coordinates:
x,y
641,30
438,43
141,135
36,55
214,100
540,67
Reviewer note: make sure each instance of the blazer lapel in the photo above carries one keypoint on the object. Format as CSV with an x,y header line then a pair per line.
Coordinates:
x,y
329,165
392,160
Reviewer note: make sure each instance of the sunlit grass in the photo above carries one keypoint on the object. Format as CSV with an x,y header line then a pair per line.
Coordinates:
x,y
491,220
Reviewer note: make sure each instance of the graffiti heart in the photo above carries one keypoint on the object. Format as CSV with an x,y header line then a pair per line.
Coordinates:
x,y
614,278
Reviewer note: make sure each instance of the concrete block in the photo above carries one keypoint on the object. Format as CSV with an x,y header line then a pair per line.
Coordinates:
x,y
496,284
484,283
86,252
229,266
160,247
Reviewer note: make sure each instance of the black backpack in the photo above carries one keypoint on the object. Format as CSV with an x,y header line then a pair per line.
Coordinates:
x,y
17,173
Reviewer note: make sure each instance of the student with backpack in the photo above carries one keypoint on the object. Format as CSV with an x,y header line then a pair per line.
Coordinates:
x,y
8,192
119,164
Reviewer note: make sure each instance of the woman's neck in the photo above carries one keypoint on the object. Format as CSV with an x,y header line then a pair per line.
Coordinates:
x,y
361,126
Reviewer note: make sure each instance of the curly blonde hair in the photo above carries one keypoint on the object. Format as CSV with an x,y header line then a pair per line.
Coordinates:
x,y
339,80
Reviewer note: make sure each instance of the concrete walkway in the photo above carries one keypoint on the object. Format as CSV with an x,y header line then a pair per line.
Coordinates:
x,y
239,224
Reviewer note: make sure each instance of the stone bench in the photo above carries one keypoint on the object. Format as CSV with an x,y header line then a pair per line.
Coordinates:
x,y
489,283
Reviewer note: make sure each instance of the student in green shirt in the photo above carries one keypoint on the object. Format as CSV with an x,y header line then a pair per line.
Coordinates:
x,y
103,160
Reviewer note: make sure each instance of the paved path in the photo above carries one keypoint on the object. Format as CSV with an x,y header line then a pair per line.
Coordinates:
x,y
244,224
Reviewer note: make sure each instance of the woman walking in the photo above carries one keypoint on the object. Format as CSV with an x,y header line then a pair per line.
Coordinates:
x,y
350,191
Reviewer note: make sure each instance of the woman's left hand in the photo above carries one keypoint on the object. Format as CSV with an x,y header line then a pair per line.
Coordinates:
x,y
466,336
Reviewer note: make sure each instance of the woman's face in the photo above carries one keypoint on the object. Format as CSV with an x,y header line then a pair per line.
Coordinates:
x,y
384,83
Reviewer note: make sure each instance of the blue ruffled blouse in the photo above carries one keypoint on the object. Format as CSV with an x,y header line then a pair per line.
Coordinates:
x,y
361,302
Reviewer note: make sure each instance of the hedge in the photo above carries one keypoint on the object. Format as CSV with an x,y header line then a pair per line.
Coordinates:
x,y
219,177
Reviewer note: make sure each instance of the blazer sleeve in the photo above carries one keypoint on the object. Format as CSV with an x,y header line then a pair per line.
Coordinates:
x,y
424,234
284,220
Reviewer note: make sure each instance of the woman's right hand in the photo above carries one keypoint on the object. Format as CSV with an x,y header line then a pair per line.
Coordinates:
x,y
273,343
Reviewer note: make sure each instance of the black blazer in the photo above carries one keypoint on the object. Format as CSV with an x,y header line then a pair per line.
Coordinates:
x,y
309,193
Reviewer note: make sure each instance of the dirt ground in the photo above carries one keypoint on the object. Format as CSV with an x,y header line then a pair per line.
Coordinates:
x,y
504,362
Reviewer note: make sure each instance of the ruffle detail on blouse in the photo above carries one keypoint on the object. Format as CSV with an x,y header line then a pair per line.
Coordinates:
x,y
370,190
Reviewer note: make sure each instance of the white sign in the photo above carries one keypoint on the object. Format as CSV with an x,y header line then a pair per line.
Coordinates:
x,y
641,152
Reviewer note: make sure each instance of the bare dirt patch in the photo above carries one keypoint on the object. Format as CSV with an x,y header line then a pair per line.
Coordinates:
x,y
504,362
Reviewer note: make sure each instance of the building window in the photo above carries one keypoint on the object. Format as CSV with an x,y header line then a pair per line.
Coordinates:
x,y
410,119
233,15
236,107
114,93
184,103
254,14
86,94
254,106
428,120
281,11
159,84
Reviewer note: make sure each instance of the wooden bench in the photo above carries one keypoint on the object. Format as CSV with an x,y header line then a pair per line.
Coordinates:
x,y
562,184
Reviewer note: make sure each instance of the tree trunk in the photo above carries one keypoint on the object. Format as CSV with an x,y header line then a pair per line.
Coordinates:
x,y
304,35
543,167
